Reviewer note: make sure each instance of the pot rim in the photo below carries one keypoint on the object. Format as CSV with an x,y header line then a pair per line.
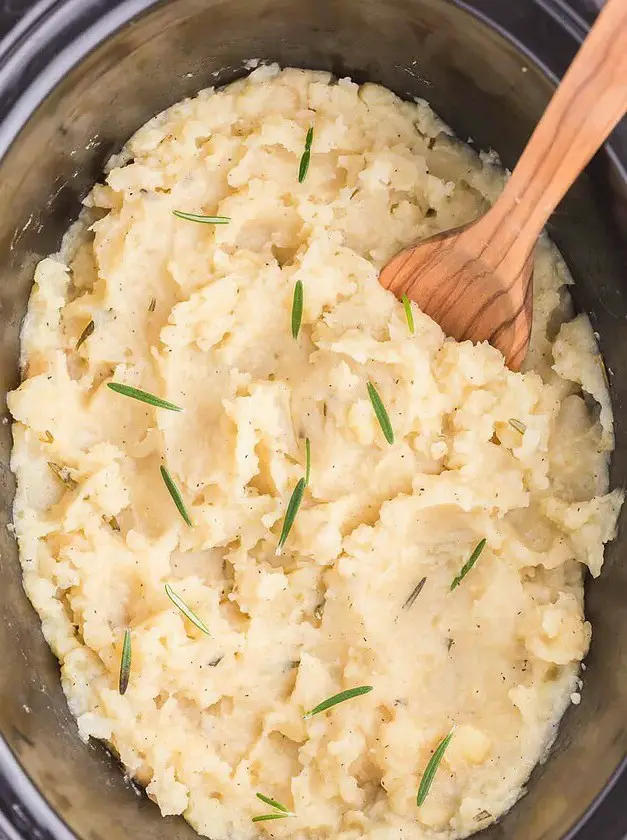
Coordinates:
x,y
31,66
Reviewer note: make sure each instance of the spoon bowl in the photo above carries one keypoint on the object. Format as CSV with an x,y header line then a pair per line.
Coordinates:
x,y
452,277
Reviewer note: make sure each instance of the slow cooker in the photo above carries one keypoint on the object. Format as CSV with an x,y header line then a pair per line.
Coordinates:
x,y
77,77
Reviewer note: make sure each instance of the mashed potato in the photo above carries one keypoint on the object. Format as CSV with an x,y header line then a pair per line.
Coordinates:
x,y
200,315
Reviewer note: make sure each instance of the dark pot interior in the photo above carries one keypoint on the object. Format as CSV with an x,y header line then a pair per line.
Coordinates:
x,y
75,81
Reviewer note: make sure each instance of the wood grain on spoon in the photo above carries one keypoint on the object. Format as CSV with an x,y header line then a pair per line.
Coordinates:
x,y
476,281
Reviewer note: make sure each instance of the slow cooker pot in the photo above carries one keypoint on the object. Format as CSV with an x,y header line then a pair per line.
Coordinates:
x,y
77,77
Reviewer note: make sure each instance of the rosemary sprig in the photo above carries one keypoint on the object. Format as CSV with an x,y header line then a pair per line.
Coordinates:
x,y
85,334
382,416
306,158
518,425
182,606
203,220
176,495
338,698
297,308
142,396
273,803
469,564
290,513
432,766
63,475
307,461
416,592
408,314
278,816
125,662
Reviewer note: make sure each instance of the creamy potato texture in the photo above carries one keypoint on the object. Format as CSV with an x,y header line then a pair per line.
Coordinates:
x,y
200,315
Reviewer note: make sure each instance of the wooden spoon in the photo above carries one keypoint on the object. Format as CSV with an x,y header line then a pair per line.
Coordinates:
x,y
476,281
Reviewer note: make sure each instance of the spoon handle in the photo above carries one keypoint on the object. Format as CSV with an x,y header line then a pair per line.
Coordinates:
x,y
587,105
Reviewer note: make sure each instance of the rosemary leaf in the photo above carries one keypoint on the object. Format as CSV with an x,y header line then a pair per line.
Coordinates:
x,y
125,662
338,698
468,565
601,363
382,415
142,396
152,305
203,220
46,437
416,592
290,514
112,522
278,816
176,495
432,766
307,461
518,425
85,334
297,308
63,475
408,314
273,803
189,614
306,158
